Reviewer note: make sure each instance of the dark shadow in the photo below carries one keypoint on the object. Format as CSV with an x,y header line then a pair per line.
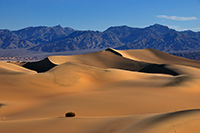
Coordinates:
x,y
1,105
157,68
40,66
113,51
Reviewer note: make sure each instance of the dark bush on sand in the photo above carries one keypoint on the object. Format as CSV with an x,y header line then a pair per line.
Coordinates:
x,y
70,114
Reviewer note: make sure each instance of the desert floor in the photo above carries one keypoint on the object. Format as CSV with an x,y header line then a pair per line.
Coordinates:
x,y
140,91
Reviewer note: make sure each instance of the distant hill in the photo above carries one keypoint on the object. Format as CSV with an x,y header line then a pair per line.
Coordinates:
x,y
190,55
32,36
59,39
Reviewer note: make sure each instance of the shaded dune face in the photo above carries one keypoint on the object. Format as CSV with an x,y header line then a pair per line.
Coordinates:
x,y
113,51
110,58
157,68
145,67
40,66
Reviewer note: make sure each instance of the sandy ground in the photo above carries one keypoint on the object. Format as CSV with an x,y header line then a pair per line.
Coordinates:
x,y
106,92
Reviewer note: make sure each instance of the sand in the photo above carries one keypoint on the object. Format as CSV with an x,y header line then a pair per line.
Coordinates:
x,y
106,90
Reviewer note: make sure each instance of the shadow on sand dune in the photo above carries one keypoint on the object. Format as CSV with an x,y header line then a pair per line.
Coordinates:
x,y
117,61
157,68
40,66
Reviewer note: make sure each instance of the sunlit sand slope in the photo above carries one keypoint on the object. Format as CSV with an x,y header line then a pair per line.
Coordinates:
x,y
143,91
181,121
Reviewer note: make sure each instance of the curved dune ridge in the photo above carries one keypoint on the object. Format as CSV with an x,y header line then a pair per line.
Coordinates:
x,y
143,91
111,58
104,59
11,68
158,57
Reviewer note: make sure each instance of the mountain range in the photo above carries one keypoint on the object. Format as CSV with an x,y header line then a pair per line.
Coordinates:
x,y
59,39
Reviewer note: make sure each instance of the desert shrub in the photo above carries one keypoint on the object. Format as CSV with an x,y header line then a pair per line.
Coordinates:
x,y
70,114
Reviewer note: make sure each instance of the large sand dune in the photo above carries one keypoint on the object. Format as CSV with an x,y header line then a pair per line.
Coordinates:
x,y
143,91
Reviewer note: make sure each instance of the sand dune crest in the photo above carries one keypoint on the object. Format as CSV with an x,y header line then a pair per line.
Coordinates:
x,y
158,57
8,68
111,58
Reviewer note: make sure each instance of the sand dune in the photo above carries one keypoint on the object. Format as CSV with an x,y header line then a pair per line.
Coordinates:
x,y
11,68
111,58
155,56
102,59
40,66
180,121
143,91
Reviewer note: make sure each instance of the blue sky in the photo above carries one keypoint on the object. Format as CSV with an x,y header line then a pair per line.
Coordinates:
x,y
100,14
